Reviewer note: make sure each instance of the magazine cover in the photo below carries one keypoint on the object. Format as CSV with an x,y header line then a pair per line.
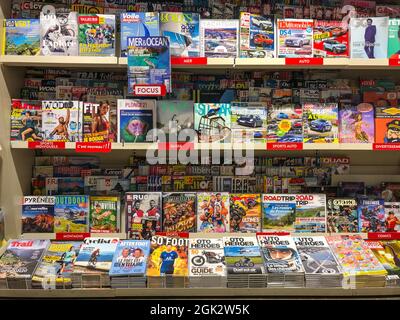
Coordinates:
x,y
206,257
135,119
173,116
179,212
182,29
219,38
61,120
394,39
279,212
351,189
390,191
392,11
369,38
387,252
21,258
316,256
257,36
213,212
143,214
245,213
363,8
331,39
96,122
96,253
59,34
387,124
285,123
96,35
242,255
248,122
320,123
168,256
21,37
356,123
104,214
342,216
279,254
149,62
371,215
38,214
138,24
212,122
130,258
26,120
71,214
64,186
57,265
354,256
392,216
310,213
295,38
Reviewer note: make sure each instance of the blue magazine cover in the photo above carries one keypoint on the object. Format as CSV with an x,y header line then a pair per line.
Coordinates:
x,y
149,62
71,214
130,258
182,29
21,37
138,24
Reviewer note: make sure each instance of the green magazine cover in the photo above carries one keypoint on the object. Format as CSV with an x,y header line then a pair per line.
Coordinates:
x,y
394,38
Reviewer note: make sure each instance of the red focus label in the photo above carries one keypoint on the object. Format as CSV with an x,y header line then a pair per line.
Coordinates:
x,y
93,147
386,146
72,236
175,145
394,62
149,90
46,145
304,61
383,235
285,146
196,60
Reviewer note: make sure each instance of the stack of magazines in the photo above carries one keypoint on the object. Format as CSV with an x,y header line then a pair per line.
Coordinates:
x,y
281,260
93,263
320,265
206,263
129,265
19,262
360,266
244,265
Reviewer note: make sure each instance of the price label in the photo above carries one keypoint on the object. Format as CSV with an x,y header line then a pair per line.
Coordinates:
x,y
189,61
285,146
304,61
46,145
102,147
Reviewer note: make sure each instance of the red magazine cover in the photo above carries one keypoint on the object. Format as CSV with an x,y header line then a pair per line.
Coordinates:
x,y
331,39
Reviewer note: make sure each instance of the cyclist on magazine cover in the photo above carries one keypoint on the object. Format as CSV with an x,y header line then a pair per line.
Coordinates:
x,y
167,260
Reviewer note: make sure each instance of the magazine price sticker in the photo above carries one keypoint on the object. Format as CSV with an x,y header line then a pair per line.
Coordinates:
x,y
304,61
72,236
149,90
189,61
93,147
284,146
386,146
46,145
176,146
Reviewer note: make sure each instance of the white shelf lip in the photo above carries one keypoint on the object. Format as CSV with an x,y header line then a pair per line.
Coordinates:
x,y
59,61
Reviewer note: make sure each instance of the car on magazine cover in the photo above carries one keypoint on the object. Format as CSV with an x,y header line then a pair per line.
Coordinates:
x,y
258,135
336,31
297,40
282,115
291,138
272,127
261,23
334,46
250,121
303,51
321,125
262,39
296,130
256,54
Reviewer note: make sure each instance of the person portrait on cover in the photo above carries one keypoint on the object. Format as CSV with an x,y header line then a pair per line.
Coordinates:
x,y
369,37
167,260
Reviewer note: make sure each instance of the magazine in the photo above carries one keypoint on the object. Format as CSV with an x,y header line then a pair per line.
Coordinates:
x,y
390,191
387,252
356,123
26,120
136,118
95,254
342,216
285,123
310,213
279,212
331,39
371,215
213,212
392,216
320,123
130,258
369,37
182,29
149,62
96,122
96,35
295,38
179,212
143,214
38,214
257,36
212,122
71,214
61,120
394,39
245,213
138,24
219,38
59,34
104,214
206,257
387,124
21,37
